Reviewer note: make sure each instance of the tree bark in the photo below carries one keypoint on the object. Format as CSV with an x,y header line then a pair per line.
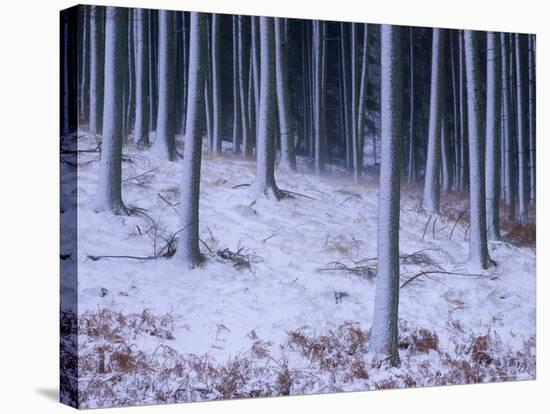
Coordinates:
x,y
479,254
164,146
265,145
430,200
492,136
141,127
97,65
384,338
288,158
188,244
216,86
109,192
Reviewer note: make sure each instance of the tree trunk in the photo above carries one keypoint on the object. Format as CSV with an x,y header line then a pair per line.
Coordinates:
x,y
208,91
188,244
492,136
344,70
216,86
319,49
288,158
243,56
164,146
532,121
265,145
97,64
362,104
479,254
236,89
384,338
141,127
522,139
412,146
430,201
109,192
509,192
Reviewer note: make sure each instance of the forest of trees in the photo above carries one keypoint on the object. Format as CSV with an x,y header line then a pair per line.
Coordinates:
x,y
444,111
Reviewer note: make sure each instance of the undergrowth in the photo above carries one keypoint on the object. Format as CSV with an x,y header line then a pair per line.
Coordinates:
x,y
115,368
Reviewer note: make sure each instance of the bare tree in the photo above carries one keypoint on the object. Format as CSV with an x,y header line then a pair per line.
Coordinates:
x,y
164,146
430,200
188,243
479,253
265,145
384,338
492,136
288,158
141,127
109,192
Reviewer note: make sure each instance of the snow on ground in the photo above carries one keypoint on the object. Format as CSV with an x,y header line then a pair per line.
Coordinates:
x,y
216,306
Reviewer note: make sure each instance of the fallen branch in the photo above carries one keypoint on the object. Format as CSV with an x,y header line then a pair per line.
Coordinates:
x,y
140,175
428,272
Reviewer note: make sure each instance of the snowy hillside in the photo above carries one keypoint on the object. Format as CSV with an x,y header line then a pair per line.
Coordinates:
x,y
279,276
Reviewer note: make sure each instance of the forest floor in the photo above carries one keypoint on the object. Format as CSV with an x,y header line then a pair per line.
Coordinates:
x,y
283,302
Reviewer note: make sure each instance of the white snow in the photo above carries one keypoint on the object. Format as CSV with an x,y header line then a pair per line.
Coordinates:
x,y
215,306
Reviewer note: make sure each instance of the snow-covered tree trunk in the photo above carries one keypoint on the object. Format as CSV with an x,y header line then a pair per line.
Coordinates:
x,y
265,145
185,66
412,177
288,158
430,201
479,254
153,70
344,70
456,114
509,193
532,120
130,80
236,89
445,162
255,56
362,103
208,91
164,146
97,63
216,85
523,190
384,337
109,193
188,243
243,56
84,96
463,117
141,127
492,136
354,101
319,50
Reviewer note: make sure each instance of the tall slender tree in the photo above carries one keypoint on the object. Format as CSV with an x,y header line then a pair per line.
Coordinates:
x,y
288,157
164,146
319,50
237,128
523,190
384,338
97,59
430,201
492,136
479,253
109,193
532,120
265,145
188,243
141,127
509,167
243,67
216,85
